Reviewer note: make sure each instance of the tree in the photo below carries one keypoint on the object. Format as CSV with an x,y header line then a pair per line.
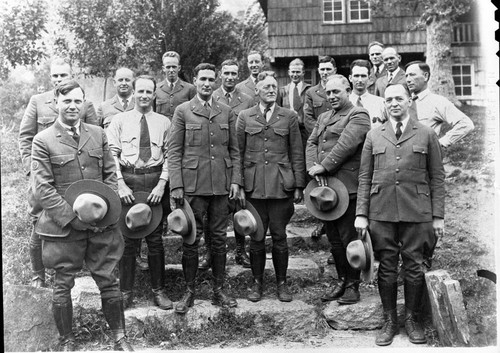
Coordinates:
x,y
437,17
22,24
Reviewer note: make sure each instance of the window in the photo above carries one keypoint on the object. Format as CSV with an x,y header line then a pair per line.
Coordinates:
x,y
342,11
462,77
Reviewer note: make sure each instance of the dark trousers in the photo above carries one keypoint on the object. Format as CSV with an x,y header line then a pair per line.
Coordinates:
x,y
215,209
275,215
341,231
412,240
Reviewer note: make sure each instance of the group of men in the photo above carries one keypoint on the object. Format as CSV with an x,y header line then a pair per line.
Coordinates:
x,y
246,145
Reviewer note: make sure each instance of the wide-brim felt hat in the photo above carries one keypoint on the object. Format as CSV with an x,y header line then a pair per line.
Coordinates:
x,y
88,186
342,199
361,257
140,197
259,233
183,215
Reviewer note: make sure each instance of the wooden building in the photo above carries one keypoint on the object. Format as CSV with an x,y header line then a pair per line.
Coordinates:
x,y
342,29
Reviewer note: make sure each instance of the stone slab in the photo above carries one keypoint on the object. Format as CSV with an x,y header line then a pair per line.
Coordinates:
x,y
28,320
86,294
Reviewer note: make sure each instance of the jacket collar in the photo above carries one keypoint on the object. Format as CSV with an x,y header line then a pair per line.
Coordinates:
x,y
389,134
198,109
64,138
256,114
117,103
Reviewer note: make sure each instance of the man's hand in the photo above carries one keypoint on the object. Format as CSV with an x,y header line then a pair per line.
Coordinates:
x,y
234,191
242,198
315,171
438,225
125,193
361,224
178,195
156,194
79,225
298,195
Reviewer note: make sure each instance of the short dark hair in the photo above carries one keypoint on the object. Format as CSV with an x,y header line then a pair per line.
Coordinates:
x,y
422,65
400,84
66,86
326,59
204,66
144,77
371,44
229,62
362,63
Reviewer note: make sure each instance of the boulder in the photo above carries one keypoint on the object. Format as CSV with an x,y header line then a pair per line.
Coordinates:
x,y
85,294
28,321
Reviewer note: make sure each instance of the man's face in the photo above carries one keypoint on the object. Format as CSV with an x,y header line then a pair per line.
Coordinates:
x,y
254,64
59,73
375,53
229,76
359,78
205,82
337,93
391,59
296,73
69,106
171,68
416,79
267,89
326,70
123,82
144,94
397,101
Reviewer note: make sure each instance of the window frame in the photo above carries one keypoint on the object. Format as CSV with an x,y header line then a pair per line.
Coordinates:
x,y
345,12
462,86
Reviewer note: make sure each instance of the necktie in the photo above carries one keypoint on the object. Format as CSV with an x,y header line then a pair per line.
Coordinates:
x,y
296,99
145,141
266,110
398,129
125,104
75,136
228,97
358,102
171,86
413,108
390,77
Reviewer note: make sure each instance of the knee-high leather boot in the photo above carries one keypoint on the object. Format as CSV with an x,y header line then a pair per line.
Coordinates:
x,y
280,262
189,268
388,294
241,257
157,271
413,299
258,262
127,276
337,288
113,312
63,316
219,298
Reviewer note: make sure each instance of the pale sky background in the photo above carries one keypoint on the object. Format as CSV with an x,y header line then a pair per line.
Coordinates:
x,y
233,6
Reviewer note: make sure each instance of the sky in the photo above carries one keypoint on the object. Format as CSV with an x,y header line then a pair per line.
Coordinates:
x,y
233,6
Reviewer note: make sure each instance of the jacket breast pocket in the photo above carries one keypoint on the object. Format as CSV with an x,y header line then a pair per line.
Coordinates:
x,y
162,106
379,157
60,165
420,154
255,140
249,175
287,177
97,156
224,130
44,122
190,173
193,134
282,137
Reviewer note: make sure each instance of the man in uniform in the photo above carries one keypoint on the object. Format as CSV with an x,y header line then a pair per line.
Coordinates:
x,y
204,167
138,142
375,53
274,177
394,75
293,95
173,91
401,200
122,101
359,77
69,151
255,65
334,148
432,109
39,115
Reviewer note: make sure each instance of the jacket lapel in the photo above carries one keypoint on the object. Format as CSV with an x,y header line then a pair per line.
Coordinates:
x,y
215,110
117,104
64,137
409,132
388,133
258,115
197,108
277,115
84,135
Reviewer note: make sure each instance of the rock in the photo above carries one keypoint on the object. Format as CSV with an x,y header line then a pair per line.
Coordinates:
x,y
28,321
302,214
86,294
365,315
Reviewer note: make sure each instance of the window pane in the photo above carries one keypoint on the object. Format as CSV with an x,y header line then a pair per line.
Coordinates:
x,y
466,69
328,6
354,16
365,15
337,16
455,70
456,80
458,91
337,6
354,5
466,81
328,17
467,91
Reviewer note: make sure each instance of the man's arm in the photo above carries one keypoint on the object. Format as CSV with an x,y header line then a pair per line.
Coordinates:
x,y
312,146
295,151
175,148
159,190
100,115
461,123
28,130
436,173
365,177
234,151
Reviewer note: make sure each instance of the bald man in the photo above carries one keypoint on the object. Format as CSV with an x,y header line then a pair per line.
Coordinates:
x,y
395,74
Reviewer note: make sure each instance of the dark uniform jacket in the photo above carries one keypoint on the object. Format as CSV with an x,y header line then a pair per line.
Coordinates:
x,y
284,100
239,100
374,77
272,154
247,87
167,101
58,162
110,108
314,105
203,155
336,143
401,180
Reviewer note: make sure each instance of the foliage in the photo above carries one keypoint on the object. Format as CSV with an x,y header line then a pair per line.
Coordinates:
x,y
21,26
14,97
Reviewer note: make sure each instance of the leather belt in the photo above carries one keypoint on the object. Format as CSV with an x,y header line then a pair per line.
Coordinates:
x,y
130,170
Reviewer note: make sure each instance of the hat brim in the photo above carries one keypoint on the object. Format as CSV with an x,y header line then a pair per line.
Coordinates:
x,y
367,273
156,217
342,195
191,237
98,188
259,234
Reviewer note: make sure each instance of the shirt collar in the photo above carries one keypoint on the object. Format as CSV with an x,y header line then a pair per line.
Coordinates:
x,y
224,92
210,101
262,108
394,73
169,83
404,122
422,94
68,127
299,85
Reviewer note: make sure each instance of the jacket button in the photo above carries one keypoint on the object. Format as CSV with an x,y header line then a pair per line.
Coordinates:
x,y
211,134
213,157
398,158
266,150
212,145
265,139
83,167
322,151
79,152
324,141
398,146
267,127
211,121
266,162
397,170
397,182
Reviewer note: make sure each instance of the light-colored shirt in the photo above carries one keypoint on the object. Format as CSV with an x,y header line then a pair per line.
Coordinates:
x,y
433,110
377,69
404,122
269,113
290,94
68,127
124,140
209,101
394,73
374,104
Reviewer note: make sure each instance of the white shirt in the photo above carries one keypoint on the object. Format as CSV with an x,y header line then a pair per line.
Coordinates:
x,y
209,101
68,127
379,69
404,122
269,114
290,94
374,104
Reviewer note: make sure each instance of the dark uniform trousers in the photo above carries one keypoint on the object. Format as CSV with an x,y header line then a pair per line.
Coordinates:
x,y
341,231
146,183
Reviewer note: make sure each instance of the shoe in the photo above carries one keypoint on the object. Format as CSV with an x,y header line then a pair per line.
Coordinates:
x,y
161,300
241,257
123,345
219,298
389,329
414,329
335,291
255,294
186,302
222,300
351,293
157,272
67,344
284,294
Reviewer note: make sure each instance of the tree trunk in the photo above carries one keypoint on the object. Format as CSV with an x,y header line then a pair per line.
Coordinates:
x,y
439,33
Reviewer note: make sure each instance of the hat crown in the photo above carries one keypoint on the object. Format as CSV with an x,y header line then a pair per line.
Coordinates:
x,y
138,216
244,222
357,254
324,198
179,222
90,208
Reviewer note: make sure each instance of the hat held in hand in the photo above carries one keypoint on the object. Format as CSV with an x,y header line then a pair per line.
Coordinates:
x,y
140,219
181,221
246,221
360,256
326,202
